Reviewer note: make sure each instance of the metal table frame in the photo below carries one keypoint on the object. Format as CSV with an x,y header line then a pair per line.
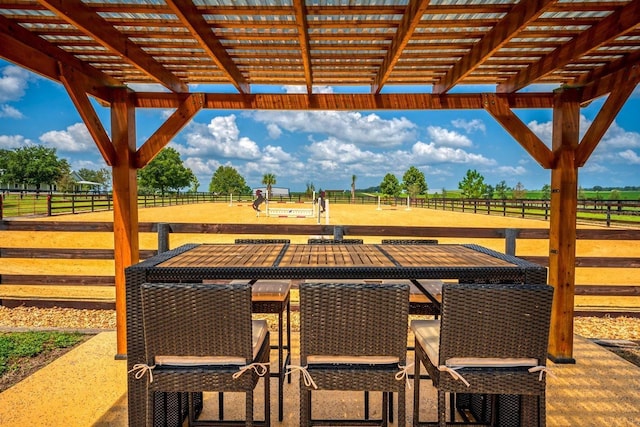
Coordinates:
x,y
512,270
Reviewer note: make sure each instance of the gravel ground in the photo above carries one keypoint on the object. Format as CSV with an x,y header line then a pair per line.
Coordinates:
x,y
618,328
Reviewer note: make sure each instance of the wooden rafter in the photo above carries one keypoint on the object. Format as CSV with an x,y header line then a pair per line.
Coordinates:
x,y
20,46
81,16
410,20
188,14
610,82
499,109
625,61
183,114
616,24
88,114
624,86
512,23
302,25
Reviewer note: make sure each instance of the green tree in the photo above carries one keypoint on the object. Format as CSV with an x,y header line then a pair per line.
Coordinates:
x,y
227,180
614,195
546,192
390,186
4,160
489,192
35,165
353,188
501,190
413,181
269,180
472,185
165,172
519,192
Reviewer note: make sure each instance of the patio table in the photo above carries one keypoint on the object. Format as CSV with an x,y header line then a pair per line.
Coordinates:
x,y
200,262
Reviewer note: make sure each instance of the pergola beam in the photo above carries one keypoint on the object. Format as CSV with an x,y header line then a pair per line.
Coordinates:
x,y
512,23
185,112
608,83
410,20
302,25
345,102
616,24
610,109
499,109
189,15
78,14
88,114
21,47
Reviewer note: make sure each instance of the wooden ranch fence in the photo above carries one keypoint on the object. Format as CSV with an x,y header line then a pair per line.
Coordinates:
x,y
47,290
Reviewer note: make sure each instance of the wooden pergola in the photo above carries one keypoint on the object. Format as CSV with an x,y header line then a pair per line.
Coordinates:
x,y
409,54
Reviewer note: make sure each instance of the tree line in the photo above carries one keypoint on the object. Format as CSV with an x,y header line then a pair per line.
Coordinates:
x,y
35,165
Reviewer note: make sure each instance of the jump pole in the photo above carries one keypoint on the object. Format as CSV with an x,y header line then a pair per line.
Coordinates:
x,y
230,199
379,208
408,204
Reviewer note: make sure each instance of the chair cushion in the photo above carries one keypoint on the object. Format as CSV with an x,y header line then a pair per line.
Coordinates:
x,y
351,360
259,331
268,290
427,333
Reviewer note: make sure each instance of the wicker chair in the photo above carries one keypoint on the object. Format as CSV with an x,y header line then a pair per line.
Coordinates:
x,y
198,338
315,241
273,297
409,242
353,336
495,336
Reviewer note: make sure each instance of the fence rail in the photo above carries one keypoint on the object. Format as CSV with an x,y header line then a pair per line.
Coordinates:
x,y
56,285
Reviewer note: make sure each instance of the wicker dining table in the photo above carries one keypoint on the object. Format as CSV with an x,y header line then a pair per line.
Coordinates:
x,y
195,263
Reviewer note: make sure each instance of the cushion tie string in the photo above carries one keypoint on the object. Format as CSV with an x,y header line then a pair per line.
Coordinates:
x,y
543,370
403,373
304,371
259,368
140,369
454,373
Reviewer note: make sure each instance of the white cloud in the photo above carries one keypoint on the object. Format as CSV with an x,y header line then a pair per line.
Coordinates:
x,y
430,153
442,136
303,89
354,127
13,83
10,142
510,170
75,139
630,156
221,137
10,112
470,126
274,131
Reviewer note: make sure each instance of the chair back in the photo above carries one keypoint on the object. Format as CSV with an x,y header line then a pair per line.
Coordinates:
x,y
194,319
314,241
261,241
495,321
353,319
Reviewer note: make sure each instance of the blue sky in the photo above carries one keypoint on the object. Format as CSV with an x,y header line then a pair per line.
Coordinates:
x,y
324,148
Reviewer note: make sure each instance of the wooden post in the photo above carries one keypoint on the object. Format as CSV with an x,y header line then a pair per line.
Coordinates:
x,y
562,233
125,204
510,236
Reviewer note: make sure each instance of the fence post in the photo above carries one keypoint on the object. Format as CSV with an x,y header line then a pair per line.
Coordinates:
x,y
608,215
510,235
48,205
164,230
338,232
1,203
523,205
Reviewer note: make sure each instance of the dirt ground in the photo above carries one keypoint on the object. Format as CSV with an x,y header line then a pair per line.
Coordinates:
x,y
339,214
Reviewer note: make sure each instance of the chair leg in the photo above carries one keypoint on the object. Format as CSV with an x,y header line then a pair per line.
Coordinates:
x,y
442,409
221,406
305,405
267,398
385,408
416,390
402,415
366,405
281,367
289,333
249,408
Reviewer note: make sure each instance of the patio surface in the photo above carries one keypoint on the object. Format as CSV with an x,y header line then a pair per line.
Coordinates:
x,y
87,387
